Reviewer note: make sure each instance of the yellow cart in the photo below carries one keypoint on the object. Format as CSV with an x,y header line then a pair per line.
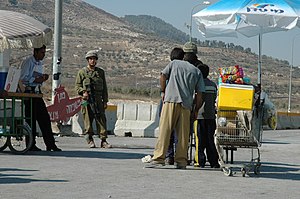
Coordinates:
x,y
239,125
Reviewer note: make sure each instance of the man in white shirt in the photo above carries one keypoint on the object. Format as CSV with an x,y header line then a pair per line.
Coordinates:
x,y
32,77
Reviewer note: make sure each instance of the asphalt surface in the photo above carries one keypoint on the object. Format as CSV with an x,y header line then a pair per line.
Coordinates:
x,y
79,172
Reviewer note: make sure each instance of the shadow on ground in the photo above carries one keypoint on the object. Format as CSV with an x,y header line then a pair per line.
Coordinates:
x,y
280,171
91,154
19,177
277,171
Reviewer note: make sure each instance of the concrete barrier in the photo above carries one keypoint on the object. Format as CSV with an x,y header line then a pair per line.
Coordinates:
x,y
138,120
295,120
111,118
287,120
142,120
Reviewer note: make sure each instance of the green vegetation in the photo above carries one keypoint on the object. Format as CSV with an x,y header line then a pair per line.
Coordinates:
x,y
156,26
134,93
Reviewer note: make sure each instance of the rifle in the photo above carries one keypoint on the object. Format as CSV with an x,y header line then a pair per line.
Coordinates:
x,y
89,87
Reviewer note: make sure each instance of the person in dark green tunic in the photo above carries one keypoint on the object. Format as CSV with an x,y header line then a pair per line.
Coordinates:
x,y
91,85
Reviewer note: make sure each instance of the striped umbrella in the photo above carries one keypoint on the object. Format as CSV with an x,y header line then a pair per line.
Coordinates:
x,y
21,31
250,18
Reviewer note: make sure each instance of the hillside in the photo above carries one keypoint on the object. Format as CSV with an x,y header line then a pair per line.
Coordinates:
x,y
133,58
156,26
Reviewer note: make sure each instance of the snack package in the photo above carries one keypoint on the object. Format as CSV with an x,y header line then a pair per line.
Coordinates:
x,y
228,78
231,70
232,75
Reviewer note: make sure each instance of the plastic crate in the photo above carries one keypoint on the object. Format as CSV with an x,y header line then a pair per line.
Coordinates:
x,y
235,97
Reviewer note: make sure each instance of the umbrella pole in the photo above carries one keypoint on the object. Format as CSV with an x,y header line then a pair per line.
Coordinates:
x,y
259,68
259,59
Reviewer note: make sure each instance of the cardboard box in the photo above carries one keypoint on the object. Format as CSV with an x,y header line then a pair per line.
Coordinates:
x,y
235,97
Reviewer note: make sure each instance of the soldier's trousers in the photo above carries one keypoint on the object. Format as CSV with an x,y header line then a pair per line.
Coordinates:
x,y
95,112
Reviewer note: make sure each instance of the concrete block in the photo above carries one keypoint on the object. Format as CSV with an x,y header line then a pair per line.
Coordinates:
x,y
139,119
282,120
295,120
287,120
144,112
130,111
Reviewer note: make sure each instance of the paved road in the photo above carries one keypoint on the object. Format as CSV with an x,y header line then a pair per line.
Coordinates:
x,y
79,172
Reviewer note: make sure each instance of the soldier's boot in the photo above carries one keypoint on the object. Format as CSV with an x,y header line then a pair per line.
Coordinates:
x,y
90,140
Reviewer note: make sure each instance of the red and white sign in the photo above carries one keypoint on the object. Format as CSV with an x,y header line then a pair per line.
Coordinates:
x,y
63,107
12,79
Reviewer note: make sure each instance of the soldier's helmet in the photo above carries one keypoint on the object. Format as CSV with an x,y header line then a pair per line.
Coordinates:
x,y
91,53
190,47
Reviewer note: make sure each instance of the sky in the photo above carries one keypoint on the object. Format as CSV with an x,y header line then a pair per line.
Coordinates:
x,y
178,13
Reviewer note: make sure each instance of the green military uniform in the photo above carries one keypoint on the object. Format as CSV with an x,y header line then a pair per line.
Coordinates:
x,y
94,82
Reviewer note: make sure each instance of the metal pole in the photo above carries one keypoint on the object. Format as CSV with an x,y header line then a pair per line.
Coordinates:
x,y
57,46
291,74
259,59
192,11
290,82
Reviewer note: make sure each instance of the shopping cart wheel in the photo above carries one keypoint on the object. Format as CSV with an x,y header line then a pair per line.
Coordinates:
x,y
227,171
21,140
3,142
257,169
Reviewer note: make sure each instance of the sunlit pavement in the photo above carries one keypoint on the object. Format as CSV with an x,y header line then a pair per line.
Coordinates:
x,y
80,172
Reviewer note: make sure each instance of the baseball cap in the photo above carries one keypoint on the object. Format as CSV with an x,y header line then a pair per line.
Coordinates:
x,y
190,47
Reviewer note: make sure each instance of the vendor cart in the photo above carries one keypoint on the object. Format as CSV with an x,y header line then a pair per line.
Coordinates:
x,y
18,31
239,126
15,132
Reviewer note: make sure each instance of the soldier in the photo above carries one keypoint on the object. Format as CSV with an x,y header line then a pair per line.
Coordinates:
x,y
91,85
